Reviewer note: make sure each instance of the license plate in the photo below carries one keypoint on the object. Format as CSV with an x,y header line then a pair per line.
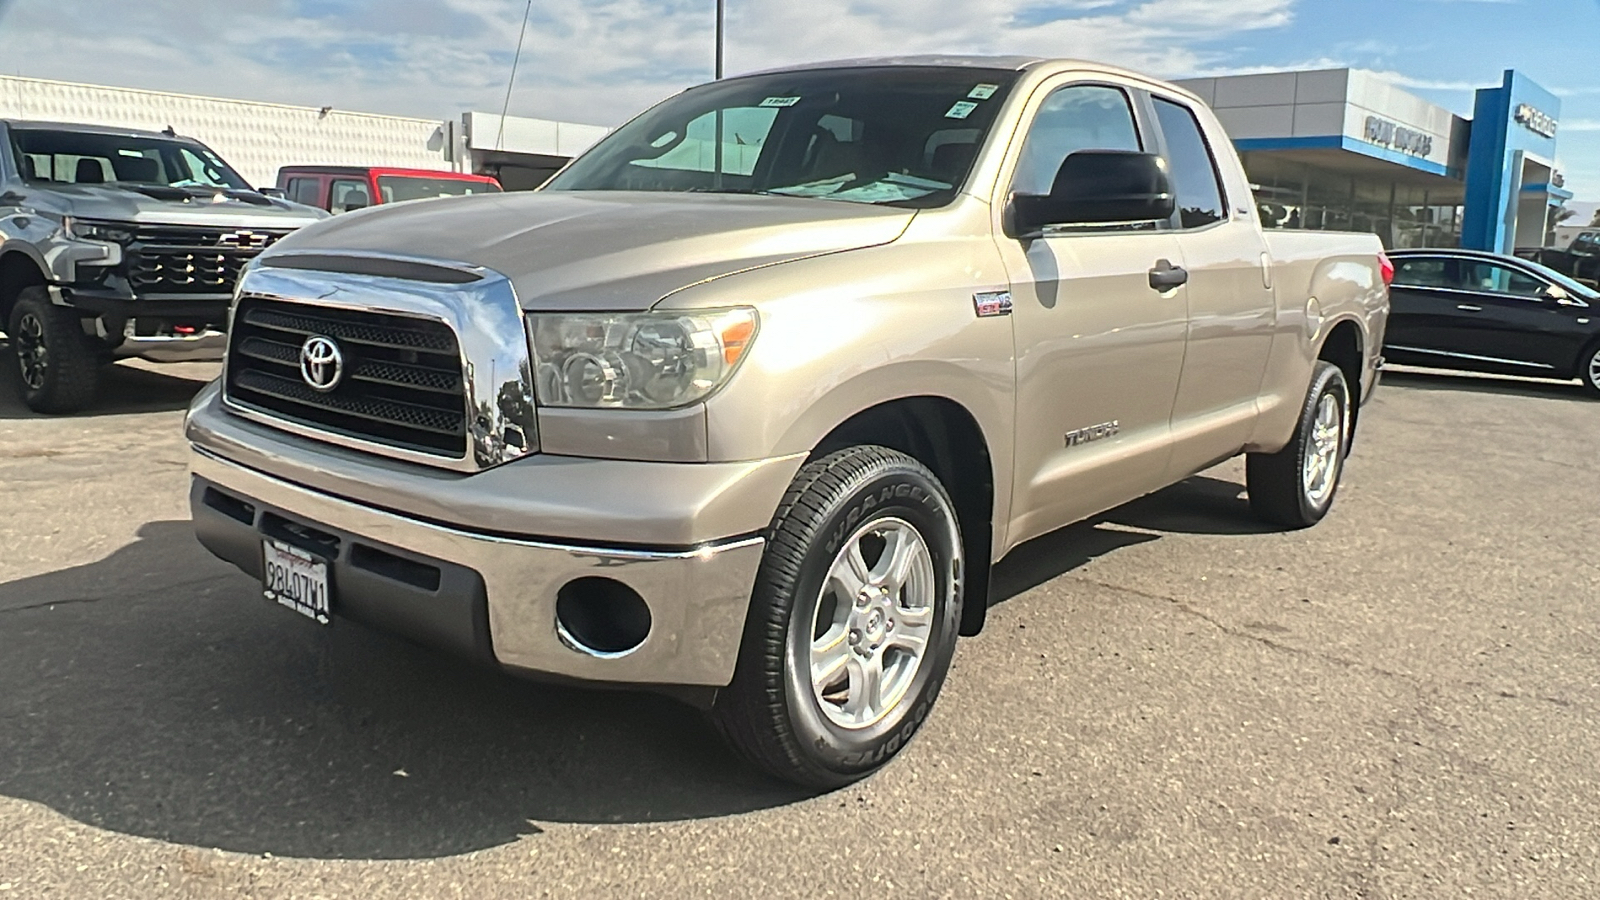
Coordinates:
x,y
294,578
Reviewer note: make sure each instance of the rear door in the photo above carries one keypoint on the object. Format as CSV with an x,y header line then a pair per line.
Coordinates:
x,y
1423,309
1098,350
1232,313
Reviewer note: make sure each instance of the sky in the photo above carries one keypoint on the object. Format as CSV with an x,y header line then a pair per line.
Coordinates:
x,y
600,61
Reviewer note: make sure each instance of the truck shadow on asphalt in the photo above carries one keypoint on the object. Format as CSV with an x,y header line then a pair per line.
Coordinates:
x,y
124,388
152,693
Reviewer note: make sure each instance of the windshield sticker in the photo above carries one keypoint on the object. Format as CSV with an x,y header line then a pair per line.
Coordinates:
x,y
780,101
983,92
961,110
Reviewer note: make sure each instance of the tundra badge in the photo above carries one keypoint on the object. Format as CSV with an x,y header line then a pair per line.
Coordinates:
x,y
1093,433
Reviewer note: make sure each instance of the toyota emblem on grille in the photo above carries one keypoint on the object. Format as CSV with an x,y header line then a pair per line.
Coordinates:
x,y
321,363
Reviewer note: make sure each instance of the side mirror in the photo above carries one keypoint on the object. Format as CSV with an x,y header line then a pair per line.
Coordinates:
x,y
1098,187
274,193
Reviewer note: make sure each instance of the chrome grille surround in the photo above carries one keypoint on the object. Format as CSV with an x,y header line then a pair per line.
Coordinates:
x,y
496,367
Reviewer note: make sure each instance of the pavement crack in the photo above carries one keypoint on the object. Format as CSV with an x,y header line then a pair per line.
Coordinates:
x,y
1490,691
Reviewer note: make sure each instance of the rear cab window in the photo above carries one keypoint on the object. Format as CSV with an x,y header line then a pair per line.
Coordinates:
x,y
1195,178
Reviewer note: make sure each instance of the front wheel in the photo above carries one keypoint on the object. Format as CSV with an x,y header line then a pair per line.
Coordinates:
x,y
1589,370
853,621
1295,486
57,368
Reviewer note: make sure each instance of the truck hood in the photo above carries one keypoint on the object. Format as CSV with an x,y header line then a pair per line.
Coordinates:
x,y
604,250
169,206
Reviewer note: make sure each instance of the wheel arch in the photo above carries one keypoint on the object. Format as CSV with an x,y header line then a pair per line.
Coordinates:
x,y
18,271
945,436
1345,346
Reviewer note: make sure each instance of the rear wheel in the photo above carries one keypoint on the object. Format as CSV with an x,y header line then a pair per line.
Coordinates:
x,y
58,367
853,621
1296,485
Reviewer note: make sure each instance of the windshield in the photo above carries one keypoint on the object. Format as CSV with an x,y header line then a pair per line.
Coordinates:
x,y
1575,288
395,188
902,136
75,157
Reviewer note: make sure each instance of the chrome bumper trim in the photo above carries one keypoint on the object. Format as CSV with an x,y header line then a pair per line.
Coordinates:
x,y
698,596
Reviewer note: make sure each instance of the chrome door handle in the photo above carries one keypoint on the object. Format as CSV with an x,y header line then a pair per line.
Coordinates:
x,y
1469,308
1166,276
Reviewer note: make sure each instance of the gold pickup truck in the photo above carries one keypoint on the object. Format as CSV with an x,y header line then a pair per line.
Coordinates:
x,y
746,402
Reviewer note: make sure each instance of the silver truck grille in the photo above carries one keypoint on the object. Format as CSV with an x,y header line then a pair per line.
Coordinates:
x,y
399,382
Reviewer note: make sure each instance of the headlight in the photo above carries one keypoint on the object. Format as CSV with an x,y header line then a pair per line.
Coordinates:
x,y
98,231
653,360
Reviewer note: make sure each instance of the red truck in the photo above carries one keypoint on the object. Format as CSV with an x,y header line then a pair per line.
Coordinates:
x,y
340,189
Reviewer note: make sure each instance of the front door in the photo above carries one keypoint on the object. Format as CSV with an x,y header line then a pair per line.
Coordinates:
x,y
1509,318
1099,351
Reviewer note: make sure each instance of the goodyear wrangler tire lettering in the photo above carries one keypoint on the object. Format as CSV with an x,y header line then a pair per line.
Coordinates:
x,y
846,556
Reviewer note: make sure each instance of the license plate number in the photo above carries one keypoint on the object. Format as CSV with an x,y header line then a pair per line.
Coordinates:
x,y
294,578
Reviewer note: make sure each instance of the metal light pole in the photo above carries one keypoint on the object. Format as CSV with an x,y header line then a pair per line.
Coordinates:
x,y
719,40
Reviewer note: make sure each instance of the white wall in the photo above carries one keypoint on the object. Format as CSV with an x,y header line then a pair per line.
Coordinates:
x,y
255,138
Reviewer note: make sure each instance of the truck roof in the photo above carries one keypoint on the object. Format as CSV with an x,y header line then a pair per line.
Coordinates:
x,y
929,59
1017,63
83,128
381,170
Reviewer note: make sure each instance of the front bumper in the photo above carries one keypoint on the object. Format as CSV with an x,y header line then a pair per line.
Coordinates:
x,y
482,595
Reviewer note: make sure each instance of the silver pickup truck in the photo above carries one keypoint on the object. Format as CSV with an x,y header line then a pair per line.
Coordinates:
x,y
746,402
116,243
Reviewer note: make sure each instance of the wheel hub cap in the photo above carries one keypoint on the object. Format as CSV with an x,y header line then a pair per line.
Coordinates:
x,y
873,622
32,354
1320,472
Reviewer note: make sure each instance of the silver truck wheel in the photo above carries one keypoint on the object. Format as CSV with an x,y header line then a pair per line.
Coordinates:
x,y
853,620
57,370
1296,486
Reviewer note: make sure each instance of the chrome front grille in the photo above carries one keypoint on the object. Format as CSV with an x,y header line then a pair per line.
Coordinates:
x,y
400,384
193,260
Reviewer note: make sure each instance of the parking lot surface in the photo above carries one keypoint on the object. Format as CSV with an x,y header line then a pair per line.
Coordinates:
x,y
1169,701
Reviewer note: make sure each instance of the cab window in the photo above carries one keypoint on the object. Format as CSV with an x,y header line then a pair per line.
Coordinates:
x,y
1073,118
347,195
1497,279
1194,170
305,190
1424,272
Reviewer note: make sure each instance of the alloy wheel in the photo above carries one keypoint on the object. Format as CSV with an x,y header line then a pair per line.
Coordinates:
x,y
32,353
1320,472
873,622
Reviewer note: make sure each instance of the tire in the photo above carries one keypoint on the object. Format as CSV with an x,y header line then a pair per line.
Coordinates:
x,y
1589,369
58,369
1295,487
874,500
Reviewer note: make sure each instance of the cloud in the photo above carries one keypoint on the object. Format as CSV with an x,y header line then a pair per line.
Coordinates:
x,y
1581,125
583,60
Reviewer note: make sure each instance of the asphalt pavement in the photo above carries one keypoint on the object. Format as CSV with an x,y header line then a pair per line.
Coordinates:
x,y
1171,700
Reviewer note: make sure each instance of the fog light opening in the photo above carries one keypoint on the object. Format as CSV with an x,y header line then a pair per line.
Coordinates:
x,y
601,617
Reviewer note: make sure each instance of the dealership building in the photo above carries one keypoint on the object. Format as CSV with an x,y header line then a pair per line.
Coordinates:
x,y
1345,149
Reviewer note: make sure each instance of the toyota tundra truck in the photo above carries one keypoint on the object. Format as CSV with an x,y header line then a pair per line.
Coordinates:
x,y
117,243
746,403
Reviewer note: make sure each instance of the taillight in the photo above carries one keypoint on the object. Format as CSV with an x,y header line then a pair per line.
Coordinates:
x,y
1385,268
